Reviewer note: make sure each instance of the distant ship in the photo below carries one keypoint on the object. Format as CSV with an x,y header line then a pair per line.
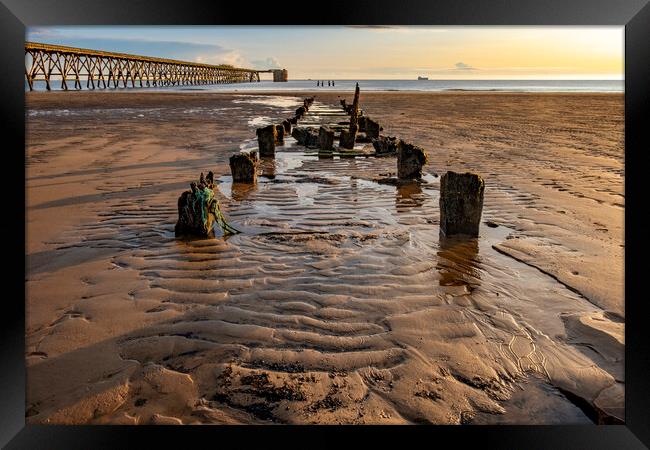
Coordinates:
x,y
422,78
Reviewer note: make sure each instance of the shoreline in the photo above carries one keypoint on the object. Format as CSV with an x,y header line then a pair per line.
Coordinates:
x,y
308,92
134,99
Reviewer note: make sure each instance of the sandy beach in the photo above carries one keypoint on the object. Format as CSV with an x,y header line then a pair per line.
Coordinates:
x,y
338,302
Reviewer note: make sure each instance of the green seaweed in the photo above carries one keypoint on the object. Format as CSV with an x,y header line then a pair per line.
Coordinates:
x,y
205,200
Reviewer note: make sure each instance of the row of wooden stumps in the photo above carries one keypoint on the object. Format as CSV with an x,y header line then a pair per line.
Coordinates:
x,y
461,194
243,165
198,208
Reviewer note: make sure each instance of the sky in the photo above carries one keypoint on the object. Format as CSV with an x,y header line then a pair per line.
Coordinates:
x,y
370,52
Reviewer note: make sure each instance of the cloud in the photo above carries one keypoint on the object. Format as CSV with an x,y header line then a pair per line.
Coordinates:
x,y
36,33
463,66
232,57
268,63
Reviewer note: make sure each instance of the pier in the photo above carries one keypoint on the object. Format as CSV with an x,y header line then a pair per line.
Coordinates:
x,y
100,70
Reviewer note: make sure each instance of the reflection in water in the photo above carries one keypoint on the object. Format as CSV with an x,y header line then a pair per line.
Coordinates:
x,y
241,191
458,262
408,196
267,167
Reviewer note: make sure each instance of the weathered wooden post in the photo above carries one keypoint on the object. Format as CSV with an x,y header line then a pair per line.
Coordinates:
x,y
325,138
305,136
410,159
362,123
371,128
385,145
348,137
354,117
287,127
461,203
266,137
300,112
279,134
243,167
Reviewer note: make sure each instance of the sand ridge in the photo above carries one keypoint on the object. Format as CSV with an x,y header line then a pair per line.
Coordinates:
x,y
339,303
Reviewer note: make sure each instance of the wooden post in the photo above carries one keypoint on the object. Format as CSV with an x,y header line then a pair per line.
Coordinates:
x,y
461,203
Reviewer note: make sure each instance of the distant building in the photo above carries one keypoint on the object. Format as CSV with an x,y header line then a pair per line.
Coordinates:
x,y
280,75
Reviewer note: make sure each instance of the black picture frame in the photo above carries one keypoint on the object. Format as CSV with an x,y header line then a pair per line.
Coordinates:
x,y
15,15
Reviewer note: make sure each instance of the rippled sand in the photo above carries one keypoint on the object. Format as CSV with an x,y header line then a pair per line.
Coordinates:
x,y
339,303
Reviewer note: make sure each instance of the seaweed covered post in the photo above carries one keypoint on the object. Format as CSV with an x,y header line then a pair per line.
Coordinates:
x,y
198,210
266,138
279,134
410,159
461,203
243,167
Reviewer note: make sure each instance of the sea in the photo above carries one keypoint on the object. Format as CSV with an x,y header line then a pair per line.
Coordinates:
x,y
389,85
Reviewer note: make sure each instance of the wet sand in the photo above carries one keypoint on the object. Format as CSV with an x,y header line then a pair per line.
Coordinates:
x,y
339,303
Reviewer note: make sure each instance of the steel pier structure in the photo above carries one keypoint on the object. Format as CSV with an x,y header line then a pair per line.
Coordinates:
x,y
99,69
